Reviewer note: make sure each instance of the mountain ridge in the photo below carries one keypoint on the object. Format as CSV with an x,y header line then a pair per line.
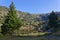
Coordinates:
x,y
25,16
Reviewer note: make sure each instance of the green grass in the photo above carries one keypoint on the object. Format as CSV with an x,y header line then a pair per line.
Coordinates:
x,y
26,37
34,34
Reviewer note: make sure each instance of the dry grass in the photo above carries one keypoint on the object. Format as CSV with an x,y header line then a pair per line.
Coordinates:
x,y
34,34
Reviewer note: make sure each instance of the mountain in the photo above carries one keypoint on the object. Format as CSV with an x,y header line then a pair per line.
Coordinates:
x,y
27,18
24,16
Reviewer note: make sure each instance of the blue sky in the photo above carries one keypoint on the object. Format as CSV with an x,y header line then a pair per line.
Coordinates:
x,y
34,6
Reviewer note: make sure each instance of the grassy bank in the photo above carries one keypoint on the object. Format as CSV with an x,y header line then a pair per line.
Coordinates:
x,y
33,34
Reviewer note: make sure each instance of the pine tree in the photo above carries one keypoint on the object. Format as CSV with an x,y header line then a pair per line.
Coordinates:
x,y
12,22
52,20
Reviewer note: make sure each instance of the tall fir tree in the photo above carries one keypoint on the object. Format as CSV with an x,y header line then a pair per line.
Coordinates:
x,y
52,20
12,22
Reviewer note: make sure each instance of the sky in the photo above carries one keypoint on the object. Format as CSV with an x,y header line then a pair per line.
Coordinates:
x,y
33,6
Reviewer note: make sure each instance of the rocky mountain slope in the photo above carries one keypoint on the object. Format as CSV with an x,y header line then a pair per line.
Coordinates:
x,y
27,18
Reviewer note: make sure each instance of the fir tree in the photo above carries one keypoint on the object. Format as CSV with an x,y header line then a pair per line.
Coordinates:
x,y
52,20
12,22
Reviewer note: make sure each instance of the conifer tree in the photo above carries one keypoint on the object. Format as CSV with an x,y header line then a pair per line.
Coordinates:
x,y
12,22
52,20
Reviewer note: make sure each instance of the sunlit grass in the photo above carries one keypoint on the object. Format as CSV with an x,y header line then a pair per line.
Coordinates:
x,y
34,34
